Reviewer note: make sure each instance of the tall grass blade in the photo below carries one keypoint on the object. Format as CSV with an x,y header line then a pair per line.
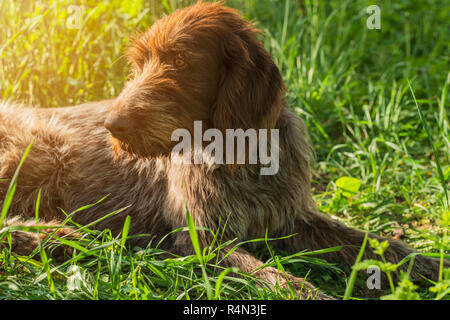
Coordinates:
x,y
12,186
196,244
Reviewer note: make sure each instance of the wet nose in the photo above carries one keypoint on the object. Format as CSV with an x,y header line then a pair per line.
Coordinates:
x,y
117,125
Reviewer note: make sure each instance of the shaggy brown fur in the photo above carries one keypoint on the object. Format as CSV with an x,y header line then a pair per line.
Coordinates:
x,y
201,63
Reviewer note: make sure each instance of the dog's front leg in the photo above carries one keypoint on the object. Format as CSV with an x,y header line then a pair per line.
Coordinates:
x,y
247,263
273,277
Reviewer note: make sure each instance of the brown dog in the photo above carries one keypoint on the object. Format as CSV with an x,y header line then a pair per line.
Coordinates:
x,y
202,63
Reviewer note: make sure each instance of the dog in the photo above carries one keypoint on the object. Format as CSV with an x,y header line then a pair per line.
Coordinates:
x,y
202,63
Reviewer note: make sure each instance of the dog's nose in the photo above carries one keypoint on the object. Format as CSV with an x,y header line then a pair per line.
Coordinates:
x,y
118,126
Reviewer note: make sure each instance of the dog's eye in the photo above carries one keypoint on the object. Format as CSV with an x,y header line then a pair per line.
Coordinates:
x,y
179,62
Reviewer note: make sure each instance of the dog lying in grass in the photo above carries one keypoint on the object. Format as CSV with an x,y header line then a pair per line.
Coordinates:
x,y
203,63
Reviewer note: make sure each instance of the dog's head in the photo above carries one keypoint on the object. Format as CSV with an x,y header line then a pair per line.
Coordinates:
x,y
200,63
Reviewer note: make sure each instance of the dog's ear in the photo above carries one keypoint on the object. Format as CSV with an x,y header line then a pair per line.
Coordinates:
x,y
250,88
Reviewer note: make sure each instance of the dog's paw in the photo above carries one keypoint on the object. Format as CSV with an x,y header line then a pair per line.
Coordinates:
x,y
302,288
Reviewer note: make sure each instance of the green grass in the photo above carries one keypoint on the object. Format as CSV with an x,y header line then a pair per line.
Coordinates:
x,y
375,102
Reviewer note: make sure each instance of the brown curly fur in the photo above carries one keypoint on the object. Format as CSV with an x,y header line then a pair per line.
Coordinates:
x,y
227,80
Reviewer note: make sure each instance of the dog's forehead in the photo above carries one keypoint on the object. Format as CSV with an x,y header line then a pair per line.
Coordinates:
x,y
171,33
192,26
167,36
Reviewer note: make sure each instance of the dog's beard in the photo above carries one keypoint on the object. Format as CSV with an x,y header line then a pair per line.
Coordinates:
x,y
137,147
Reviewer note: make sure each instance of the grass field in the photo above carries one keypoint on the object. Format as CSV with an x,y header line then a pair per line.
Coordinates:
x,y
353,86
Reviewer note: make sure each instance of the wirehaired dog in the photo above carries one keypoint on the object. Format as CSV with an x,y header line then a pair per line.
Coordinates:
x,y
203,63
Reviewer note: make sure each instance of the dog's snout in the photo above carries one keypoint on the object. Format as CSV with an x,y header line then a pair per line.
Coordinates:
x,y
117,125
